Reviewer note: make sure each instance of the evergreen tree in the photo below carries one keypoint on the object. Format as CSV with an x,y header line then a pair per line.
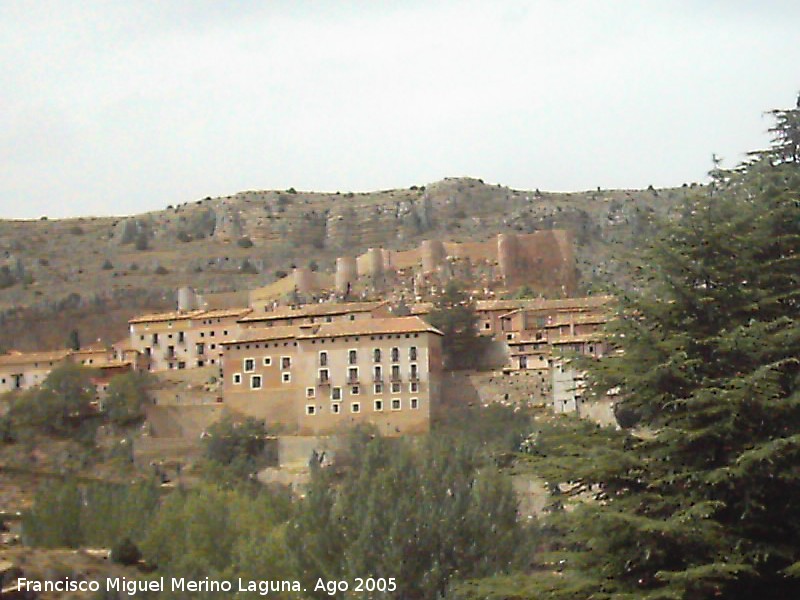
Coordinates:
x,y
700,501
454,315
421,515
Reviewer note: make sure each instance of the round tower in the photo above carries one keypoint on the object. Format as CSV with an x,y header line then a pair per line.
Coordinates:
x,y
507,255
433,255
187,299
303,280
375,263
346,273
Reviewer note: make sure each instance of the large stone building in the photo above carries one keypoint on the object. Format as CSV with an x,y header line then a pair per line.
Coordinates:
x,y
23,370
184,339
316,378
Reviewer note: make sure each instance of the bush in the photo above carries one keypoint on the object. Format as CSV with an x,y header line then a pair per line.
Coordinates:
x,y
125,398
161,270
247,268
280,274
244,242
183,236
76,230
125,552
107,266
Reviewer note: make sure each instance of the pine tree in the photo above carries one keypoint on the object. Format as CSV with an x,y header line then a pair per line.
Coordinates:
x,y
454,315
700,501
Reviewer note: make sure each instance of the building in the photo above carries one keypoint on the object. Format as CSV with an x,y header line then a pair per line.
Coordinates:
x,y
323,312
24,370
184,339
314,378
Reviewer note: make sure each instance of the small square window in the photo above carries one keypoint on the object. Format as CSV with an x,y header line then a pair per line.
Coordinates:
x,y
336,408
267,361
286,377
311,409
237,378
395,388
286,362
311,392
355,407
415,403
413,387
378,388
255,382
354,390
249,365
336,393
395,403
378,404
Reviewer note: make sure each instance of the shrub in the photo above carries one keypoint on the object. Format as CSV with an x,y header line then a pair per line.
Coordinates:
x,y
107,266
125,552
161,270
76,230
141,242
244,242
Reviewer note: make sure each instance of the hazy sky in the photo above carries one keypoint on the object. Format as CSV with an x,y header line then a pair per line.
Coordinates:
x,y
120,107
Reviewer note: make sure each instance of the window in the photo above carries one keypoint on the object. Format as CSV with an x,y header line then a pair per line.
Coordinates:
x,y
395,403
395,372
414,374
395,354
352,375
336,408
324,376
237,378
267,361
181,336
311,392
286,362
377,374
255,382
311,409
378,388
414,403
355,407
378,405
352,317
286,377
352,357
155,339
376,355
412,353
413,387
395,388
323,359
355,390
181,364
336,393
249,365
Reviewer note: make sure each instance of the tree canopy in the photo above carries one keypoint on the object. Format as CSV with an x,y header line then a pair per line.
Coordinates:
x,y
700,500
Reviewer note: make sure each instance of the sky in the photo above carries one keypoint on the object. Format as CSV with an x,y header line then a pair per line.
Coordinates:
x,y
123,106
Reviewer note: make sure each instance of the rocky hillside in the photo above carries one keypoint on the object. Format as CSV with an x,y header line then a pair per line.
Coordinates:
x,y
59,275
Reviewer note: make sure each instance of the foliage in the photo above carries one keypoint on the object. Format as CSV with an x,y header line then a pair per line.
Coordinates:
x,y
237,446
7,278
74,340
59,406
700,502
421,514
125,552
125,398
454,315
244,242
142,242
220,534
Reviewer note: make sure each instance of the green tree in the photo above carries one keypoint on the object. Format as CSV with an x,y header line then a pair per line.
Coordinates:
x,y
454,315
698,502
74,340
419,514
59,406
233,448
125,398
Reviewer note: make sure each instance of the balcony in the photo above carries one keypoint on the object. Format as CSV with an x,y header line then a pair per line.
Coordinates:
x,y
396,377
413,377
323,381
377,377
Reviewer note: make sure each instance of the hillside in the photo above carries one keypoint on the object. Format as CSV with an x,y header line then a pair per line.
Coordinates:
x,y
93,273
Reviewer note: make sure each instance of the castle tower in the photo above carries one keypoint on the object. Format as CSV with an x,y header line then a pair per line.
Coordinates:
x,y
433,255
303,280
508,252
346,273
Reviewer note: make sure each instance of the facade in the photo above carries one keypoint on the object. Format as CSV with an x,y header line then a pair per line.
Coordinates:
x,y
324,377
23,370
184,339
